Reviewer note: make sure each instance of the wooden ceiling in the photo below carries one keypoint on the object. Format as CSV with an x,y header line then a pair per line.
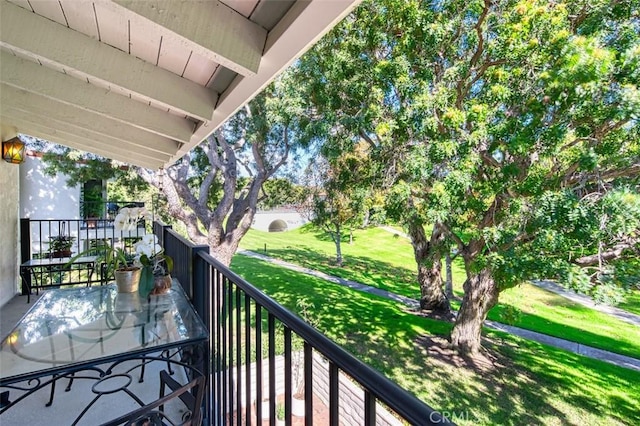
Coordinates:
x,y
144,81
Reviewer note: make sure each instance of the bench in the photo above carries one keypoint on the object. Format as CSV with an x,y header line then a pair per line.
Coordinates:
x,y
40,273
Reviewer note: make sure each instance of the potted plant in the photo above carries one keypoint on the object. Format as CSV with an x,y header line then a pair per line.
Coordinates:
x,y
280,414
265,407
117,263
156,265
60,245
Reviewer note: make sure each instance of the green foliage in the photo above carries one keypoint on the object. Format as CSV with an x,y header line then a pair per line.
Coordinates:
x,y
76,166
92,203
110,258
339,197
510,315
509,122
279,192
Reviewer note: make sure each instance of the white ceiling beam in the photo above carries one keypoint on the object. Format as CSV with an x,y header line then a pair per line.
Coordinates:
x,y
58,46
89,139
73,116
216,31
50,132
34,78
303,25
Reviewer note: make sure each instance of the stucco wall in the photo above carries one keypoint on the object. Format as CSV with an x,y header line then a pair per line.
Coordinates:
x,y
263,219
10,199
45,197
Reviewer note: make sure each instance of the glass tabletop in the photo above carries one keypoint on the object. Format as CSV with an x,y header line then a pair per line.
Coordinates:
x,y
73,328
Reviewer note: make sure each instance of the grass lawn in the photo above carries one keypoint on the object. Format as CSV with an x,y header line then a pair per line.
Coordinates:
x,y
393,255
381,259
517,382
632,302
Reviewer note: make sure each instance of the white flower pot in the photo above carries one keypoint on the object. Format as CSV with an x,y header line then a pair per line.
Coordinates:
x,y
265,409
297,406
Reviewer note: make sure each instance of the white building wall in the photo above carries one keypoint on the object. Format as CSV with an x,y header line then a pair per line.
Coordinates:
x,y
9,206
45,197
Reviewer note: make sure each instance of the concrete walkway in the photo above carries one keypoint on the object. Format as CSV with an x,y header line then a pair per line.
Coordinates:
x,y
610,357
588,302
394,231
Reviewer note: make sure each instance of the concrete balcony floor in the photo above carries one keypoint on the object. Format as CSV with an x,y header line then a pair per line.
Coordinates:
x,y
13,311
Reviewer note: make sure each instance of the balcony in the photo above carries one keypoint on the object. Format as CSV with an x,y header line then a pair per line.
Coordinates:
x,y
261,355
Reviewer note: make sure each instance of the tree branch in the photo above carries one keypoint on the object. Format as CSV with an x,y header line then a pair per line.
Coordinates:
x,y
461,245
606,256
229,182
461,87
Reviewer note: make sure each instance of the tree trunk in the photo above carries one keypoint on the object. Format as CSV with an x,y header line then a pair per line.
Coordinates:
x,y
480,295
223,252
337,237
429,261
448,284
365,219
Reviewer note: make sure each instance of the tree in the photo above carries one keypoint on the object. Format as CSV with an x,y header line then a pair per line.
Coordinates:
x,y
332,203
204,190
428,251
542,115
361,83
510,125
281,192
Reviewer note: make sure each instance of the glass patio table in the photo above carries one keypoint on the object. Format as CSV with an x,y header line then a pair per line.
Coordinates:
x,y
94,329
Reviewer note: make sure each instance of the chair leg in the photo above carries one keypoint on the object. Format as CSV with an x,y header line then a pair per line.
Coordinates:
x,y
168,355
53,391
68,388
144,363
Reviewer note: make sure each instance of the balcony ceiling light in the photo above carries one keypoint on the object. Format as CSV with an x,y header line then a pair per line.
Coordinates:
x,y
13,151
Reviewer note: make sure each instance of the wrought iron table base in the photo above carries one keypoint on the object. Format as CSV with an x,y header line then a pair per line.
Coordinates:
x,y
108,382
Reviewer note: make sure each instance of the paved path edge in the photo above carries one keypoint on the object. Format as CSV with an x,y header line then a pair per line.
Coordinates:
x,y
577,348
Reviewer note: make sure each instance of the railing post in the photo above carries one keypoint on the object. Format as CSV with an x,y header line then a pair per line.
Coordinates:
x,y
201,284
160,230
25,252
202,302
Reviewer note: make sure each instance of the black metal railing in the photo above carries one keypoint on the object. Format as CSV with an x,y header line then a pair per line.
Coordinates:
x,y
97,211
183,254
39,238
64,238
261,351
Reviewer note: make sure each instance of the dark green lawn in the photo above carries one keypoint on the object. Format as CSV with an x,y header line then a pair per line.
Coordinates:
x,y
632,301
381,259
518,382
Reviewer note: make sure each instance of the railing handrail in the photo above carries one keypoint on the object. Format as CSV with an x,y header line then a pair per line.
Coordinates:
x,y
388,392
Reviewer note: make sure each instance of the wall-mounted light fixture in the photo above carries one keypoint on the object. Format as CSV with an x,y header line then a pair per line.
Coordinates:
x,y
13,151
